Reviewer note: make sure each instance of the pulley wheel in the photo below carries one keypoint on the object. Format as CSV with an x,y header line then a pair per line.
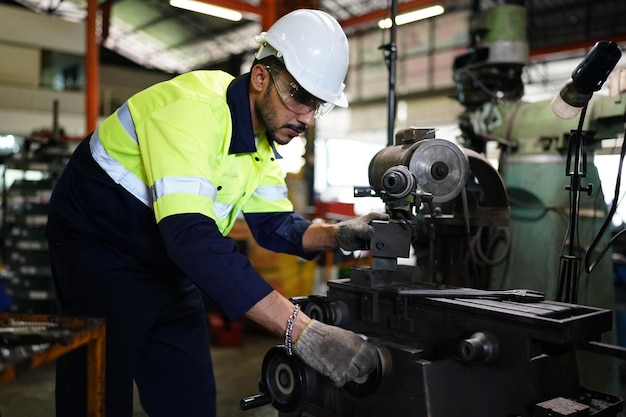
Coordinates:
x,y
316,307
284,378
441,169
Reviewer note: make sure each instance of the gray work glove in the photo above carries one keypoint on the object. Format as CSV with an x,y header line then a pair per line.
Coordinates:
x,y
356,233
336,353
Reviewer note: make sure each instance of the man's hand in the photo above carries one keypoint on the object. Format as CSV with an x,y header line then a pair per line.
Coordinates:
x,y
356,233
336,353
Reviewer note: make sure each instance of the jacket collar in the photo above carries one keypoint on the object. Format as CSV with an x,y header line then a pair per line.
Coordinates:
x,y
237,97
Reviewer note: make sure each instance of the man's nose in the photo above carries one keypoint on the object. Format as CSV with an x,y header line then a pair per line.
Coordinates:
x,y
307,118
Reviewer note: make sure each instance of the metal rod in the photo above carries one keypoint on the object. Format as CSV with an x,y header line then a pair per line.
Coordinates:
x,y
602,348
391,97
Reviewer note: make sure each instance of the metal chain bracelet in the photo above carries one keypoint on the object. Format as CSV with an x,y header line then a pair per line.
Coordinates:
x,y
289,330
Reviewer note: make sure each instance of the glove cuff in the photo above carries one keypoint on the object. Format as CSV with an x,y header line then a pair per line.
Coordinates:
x,y
311,334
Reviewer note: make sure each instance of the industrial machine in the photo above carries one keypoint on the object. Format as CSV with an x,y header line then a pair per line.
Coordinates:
x,y
479,324
446,349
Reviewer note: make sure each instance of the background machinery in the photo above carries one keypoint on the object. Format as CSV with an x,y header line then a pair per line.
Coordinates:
x,y
558,242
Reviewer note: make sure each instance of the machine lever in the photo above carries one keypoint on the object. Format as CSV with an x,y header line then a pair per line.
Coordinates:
x,y
522,296
255,401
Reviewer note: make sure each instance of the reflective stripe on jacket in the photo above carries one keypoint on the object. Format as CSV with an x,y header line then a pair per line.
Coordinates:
x,y
170,147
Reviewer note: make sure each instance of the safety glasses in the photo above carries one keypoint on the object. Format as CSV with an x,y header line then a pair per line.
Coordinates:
x,y
296,98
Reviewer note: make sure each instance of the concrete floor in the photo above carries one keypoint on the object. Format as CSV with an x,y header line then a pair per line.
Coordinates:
x,y
237,370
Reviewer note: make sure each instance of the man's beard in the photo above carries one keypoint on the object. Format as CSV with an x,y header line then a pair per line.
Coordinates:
x,y
266,112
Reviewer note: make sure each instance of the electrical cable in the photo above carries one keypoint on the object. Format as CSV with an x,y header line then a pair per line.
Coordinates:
x,y
590,265
501,234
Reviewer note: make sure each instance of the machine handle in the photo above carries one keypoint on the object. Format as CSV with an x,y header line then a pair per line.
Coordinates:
x,y
255,401
522,296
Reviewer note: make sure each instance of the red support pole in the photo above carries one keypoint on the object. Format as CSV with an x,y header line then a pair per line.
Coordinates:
x,y
92,65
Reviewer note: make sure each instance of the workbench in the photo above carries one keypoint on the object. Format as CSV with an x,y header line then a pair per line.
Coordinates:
x,y
28,341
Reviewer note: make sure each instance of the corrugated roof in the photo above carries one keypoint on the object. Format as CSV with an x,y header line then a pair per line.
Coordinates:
x,y
155,35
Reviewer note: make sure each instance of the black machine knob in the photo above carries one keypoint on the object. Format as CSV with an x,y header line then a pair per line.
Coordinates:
x,y
480,347
399,182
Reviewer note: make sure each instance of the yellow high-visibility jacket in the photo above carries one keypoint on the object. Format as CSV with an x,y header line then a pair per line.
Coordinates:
x,y
161,182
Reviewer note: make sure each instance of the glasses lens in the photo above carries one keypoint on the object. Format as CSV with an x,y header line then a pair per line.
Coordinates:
x,y
323,109
302,97
297,99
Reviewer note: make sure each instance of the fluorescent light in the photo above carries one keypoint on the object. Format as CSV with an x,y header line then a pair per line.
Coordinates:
x,y
8,145
413,16
210,9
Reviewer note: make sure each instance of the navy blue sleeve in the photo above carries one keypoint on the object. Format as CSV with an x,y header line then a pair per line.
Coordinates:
x,y
280,232
213,262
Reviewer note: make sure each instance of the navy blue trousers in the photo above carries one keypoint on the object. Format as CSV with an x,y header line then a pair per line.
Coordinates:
x,y
156,335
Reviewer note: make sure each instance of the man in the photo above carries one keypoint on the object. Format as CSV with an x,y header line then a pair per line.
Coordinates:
x,y
138,220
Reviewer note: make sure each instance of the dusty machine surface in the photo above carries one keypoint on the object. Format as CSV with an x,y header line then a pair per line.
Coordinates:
x,y
448,347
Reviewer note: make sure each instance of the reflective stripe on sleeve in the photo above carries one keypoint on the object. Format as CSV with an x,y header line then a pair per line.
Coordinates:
x,y
191,185
126,120
221,210
187,185
117,172
272,192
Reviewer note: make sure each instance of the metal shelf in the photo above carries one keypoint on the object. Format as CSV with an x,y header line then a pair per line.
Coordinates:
x,y
31,340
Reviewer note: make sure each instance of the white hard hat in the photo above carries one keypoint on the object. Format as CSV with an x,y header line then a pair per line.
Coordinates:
x,y
314,49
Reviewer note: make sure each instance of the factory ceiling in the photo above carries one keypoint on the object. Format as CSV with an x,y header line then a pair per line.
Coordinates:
x,y
155,35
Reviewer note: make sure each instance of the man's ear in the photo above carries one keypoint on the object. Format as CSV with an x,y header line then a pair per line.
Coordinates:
x,y
259,77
